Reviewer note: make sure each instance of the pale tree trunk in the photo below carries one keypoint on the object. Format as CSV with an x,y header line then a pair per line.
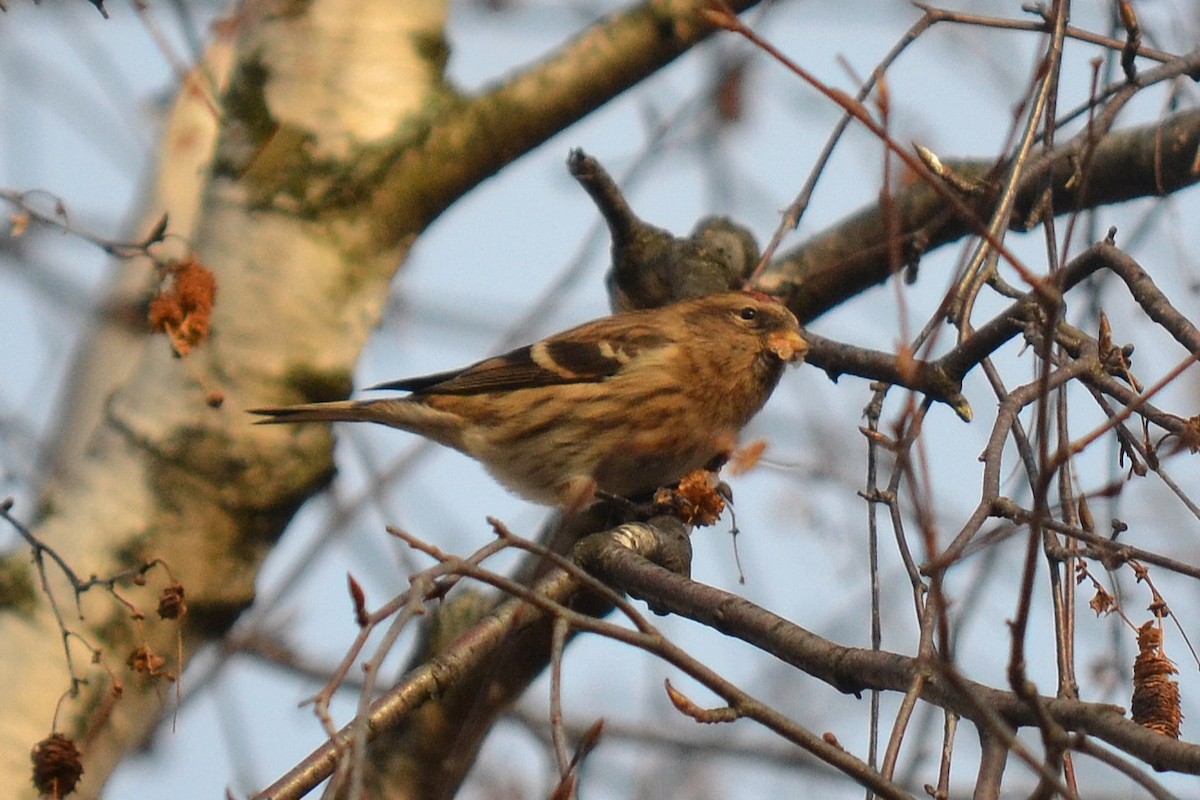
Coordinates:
x,y
336,144
148,469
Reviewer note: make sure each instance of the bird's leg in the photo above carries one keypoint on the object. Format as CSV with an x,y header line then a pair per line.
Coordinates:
x,y
630,509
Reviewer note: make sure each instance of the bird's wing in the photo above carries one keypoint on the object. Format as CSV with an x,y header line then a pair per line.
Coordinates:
x,y
590,353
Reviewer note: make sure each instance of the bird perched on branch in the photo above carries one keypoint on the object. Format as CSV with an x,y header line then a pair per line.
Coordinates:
x,y
621,405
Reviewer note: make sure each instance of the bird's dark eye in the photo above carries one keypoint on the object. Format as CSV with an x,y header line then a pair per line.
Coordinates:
x,y
748,313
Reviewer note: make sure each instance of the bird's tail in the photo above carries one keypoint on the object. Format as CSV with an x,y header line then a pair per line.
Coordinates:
x,y
397,412
340,411
403,413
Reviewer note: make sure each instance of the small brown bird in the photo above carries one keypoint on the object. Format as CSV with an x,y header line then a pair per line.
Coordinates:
x,y
622,405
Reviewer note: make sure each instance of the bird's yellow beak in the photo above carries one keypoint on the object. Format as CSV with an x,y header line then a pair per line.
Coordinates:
x,y
787,345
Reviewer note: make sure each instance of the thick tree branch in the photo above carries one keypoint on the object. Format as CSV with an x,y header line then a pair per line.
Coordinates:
x,y
1148,161
459,142
855,670
483,650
